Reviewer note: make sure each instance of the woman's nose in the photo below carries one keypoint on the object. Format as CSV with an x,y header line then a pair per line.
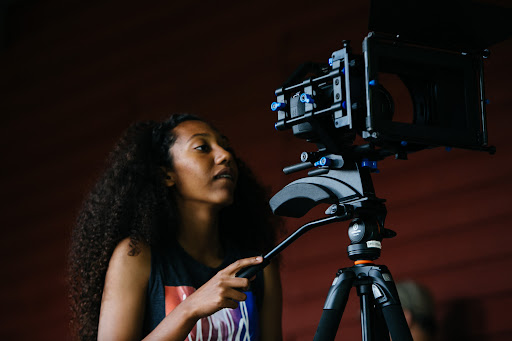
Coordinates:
x,y
223,156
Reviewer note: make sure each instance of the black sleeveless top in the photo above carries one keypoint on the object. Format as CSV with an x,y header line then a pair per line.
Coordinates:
x,y
176,275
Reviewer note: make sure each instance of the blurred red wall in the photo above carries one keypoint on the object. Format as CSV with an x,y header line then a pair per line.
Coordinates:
x,y
74,75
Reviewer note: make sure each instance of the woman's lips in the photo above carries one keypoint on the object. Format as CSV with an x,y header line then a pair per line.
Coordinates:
x,y
226,173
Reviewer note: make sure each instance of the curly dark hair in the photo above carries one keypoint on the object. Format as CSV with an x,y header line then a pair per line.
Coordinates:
x,y
131,200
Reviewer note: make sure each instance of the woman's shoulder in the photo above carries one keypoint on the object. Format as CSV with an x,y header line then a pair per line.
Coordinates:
x,y
131,248
131,258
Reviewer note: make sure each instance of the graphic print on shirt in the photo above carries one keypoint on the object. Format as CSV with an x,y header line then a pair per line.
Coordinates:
x,y
226,324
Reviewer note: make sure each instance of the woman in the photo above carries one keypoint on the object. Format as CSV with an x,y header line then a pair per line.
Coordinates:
x,y
162,235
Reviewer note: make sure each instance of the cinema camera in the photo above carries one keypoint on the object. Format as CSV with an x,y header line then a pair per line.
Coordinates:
x,y
439,60
345,98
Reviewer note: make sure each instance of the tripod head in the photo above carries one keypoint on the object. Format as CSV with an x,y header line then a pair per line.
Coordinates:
x,y
348,187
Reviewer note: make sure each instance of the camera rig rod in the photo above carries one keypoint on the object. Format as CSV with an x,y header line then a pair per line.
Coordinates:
x,y
287,124
345,214
310,81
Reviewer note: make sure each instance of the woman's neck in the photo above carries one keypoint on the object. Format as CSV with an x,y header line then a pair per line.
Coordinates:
x,y
199,234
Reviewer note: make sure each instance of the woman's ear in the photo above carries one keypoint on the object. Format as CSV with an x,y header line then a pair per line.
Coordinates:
x,y
169,177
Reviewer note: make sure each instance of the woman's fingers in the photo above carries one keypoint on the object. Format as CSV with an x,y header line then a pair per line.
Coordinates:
x,y
224,290
232,298
238,283
230,304
236,295
233,268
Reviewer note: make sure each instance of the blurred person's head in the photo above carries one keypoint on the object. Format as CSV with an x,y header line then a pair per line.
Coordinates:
x,y
419,310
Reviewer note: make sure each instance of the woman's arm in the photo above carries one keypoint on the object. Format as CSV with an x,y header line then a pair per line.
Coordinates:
x,y
271,311
223,290
124,295
124,300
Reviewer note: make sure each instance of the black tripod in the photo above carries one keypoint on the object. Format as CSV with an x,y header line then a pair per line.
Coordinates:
x,y
351,191
381,312
380,306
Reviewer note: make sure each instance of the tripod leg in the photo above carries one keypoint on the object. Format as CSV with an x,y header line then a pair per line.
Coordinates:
x,y
373,326
364,291
386,297
380,327
334,306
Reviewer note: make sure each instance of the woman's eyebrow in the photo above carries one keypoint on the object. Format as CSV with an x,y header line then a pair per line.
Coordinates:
x,y
199,135
222,137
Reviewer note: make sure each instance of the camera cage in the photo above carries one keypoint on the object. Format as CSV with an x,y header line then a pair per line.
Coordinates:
x,y
446,88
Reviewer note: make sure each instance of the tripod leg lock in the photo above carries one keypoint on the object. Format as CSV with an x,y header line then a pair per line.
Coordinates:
x,y
338,293
383,287
334,306
377,292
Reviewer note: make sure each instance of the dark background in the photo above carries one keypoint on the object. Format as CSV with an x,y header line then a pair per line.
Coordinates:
x,y
75,74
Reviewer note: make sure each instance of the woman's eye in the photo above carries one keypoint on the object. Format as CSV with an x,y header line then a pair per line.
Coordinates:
x,y
203,148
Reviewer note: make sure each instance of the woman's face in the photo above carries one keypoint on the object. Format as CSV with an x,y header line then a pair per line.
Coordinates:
x,y
204,171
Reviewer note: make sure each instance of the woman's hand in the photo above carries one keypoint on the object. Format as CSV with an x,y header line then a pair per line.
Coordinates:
x,y
224,290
